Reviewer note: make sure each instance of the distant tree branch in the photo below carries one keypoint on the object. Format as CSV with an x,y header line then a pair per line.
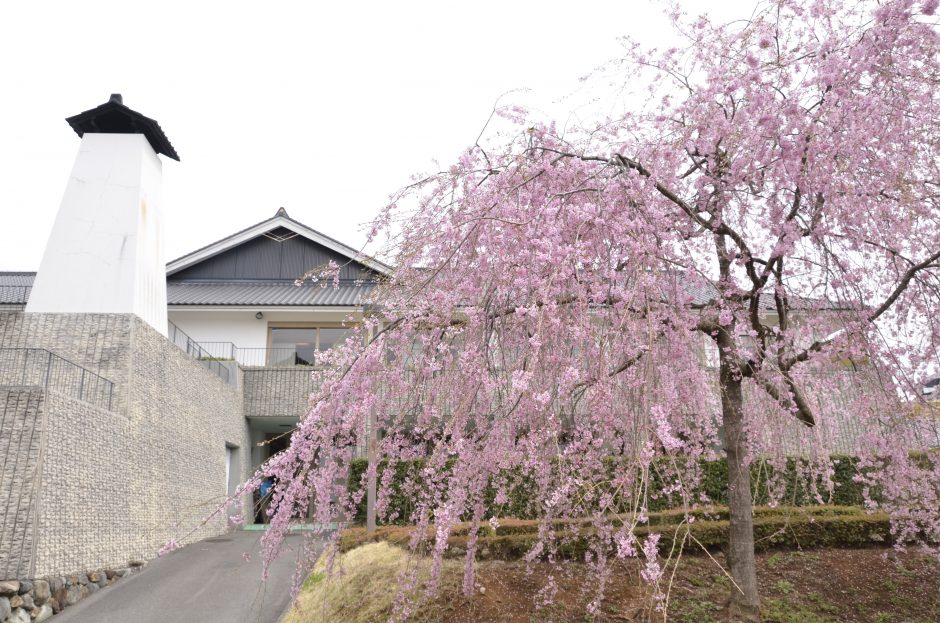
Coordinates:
x,y
902,285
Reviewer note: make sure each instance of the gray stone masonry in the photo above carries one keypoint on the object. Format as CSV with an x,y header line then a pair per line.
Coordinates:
x,y
38,599
97,342
115,485
20,446
278,392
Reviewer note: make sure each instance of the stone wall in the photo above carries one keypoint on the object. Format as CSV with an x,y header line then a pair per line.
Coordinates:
x,y
97,342
85,499
278,392
117,485
20,449
36,600
52,498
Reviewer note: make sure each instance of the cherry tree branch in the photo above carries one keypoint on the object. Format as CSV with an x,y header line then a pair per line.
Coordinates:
x,y
902,285
793,400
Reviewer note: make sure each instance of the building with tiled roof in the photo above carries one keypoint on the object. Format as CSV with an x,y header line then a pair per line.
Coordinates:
x,y
136,394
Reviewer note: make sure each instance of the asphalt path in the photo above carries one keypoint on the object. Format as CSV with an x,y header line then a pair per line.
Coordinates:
x,y
206,581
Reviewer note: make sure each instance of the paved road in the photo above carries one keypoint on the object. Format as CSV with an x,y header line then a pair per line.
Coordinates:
x,y
207,581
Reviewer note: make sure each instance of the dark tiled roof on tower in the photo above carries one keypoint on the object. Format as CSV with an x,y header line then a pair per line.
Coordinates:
x,y
113,117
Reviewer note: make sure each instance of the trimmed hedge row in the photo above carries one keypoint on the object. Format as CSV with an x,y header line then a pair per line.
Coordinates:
x,y
784,528
714,484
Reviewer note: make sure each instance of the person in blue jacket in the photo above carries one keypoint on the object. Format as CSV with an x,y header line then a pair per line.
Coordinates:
x,y
266,485
264,499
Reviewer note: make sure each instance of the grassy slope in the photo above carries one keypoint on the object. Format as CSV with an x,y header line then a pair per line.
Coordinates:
x,y
822,586
364,586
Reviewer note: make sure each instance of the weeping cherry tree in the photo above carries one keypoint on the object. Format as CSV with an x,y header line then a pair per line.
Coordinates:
x,y
574,311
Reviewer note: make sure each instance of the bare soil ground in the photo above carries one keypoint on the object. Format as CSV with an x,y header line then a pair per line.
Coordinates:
x,y
833,585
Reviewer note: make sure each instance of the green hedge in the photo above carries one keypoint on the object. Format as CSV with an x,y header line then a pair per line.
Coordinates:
x,y
774,528
522,502
769,533
797,492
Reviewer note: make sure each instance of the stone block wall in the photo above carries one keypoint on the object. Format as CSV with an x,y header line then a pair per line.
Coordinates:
x,y
278,392
97,342
117,485
36,600
184,417
88,469
20,460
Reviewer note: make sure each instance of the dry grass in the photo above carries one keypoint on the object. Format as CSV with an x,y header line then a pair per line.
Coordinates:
x,y
829,585
365,585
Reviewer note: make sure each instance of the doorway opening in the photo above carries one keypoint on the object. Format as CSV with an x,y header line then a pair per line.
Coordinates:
x,y
274,444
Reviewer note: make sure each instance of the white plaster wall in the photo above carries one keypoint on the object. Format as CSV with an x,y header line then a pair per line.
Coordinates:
x,y
105,252
150,282
241,327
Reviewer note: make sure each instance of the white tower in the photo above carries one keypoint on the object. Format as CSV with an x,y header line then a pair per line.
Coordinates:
x,y
105,252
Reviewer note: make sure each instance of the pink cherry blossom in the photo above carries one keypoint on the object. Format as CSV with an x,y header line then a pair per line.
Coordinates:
x,y
558,292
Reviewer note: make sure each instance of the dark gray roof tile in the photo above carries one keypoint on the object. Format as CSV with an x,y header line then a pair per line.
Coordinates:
x,y
16,278
15,287
254,293
113,117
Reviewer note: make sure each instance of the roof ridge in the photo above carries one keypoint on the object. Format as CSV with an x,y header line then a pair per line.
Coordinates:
x,y
353,254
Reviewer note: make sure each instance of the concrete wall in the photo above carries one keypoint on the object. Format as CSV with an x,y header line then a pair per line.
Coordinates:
x,y
117,485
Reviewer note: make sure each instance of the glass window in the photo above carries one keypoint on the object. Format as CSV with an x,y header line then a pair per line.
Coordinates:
x,y
297,346
293,346
711,352
330,337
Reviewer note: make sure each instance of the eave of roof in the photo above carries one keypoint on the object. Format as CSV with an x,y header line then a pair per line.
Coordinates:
x,y
281,219
113,117
15,287
222,293
17,278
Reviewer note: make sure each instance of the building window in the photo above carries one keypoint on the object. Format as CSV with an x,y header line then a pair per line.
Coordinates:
x,y
711,352
298,345
330,337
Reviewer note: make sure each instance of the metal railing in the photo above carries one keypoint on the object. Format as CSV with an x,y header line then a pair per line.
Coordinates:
x,y
221,366
221,351
223,358
258,357
274,357
39,367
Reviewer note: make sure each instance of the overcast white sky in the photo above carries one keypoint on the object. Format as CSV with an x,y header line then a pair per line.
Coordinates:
x,y
324,110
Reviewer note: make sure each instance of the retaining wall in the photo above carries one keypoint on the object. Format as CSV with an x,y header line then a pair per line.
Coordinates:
x,y
94,488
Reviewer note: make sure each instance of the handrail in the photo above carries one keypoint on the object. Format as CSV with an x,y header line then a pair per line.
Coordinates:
x,y
40,367
215,364
287,356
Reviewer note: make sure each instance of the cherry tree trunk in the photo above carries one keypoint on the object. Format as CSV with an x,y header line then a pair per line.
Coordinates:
x,y
744,599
